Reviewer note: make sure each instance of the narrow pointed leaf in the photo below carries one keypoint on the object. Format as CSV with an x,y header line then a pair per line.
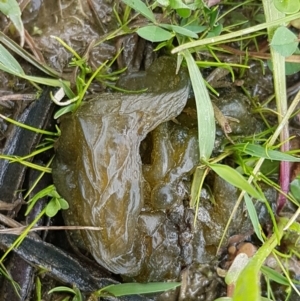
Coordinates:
x,y
9,62
141,8
140,288
180,30
253,216
234,178
11,9
274,275
262,152
10,44
205,112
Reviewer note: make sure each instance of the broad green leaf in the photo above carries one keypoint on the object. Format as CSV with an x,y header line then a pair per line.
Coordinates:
x,y
253,217
141,8
154,33
262,152
140,288
205,112
287,6
284,41
11,9
181,30
248,284
9,62
234,178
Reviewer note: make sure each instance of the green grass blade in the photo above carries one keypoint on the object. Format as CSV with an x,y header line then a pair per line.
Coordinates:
x,y
262,152
140,288
28,127
197,183
59,289
7,60
228,36
274,275
14,159
253,217
235,178
32,154
13,46
205,112
141,8
11,9
45,81
4,272
9,64
8,70
180,30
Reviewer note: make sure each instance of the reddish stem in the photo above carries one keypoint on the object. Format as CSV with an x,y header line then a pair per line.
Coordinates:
x,y
285,173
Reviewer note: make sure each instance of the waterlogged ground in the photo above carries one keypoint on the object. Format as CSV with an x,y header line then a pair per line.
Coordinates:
x,y
151,233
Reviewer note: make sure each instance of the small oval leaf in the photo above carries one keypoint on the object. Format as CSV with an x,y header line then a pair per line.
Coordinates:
x,y
284,41
53,207
287,6
154,33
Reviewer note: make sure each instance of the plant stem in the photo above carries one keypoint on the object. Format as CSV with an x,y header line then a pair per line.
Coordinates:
x,y
272,14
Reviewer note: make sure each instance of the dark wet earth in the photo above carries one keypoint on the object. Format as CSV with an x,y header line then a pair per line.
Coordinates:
x,y
124,162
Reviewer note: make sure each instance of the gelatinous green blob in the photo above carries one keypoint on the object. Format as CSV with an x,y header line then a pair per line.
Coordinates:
x,y
98,169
